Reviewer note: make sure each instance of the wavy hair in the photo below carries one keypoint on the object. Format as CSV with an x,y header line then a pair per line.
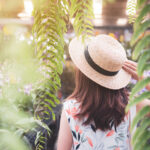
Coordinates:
x,y
104,106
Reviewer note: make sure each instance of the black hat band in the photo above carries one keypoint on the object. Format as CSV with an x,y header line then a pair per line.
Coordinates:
x,y
95,66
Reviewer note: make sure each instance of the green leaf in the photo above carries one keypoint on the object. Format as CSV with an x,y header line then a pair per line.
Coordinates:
x,y
143,13
42,124
146,146
146,67
144,111
50,102
138,99
142,60
53,96
83,13
144,124
140,3
140,85
53,116
140,29
46,112
142,141
142,133
49,108
143,43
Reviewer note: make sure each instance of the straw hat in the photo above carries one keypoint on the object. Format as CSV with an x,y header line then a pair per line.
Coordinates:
x,y
101,59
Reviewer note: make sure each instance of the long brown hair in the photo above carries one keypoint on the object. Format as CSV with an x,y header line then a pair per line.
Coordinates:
x,y
104,106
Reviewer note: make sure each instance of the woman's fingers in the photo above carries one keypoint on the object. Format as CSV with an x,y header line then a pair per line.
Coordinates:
x,y
132,63
130,66
131,71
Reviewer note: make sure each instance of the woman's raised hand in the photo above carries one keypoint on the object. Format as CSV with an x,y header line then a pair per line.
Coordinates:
x,y
131,68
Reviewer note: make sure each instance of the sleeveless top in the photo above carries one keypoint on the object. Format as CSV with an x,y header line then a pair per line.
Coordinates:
x,y
86,137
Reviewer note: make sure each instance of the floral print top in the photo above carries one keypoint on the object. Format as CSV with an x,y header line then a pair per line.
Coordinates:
x,y
88,138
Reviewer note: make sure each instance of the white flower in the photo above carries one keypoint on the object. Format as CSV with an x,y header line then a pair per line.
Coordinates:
x,y
28,89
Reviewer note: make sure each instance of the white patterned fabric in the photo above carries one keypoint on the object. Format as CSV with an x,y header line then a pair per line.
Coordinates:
x,y
87,138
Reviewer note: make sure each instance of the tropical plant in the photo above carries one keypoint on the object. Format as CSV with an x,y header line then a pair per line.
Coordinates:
x,y
82,12
19,77
131,10
141,42
51,19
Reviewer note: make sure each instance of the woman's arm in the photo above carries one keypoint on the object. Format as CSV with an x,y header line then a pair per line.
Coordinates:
x,y
65,136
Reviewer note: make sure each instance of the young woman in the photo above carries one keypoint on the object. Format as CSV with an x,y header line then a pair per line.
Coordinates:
x,y
93,117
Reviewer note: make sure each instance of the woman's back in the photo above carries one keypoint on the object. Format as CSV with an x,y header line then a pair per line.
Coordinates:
x,y
86,137
94,115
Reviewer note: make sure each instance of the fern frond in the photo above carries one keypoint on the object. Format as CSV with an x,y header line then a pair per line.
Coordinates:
x,y
131,10
82,11
50,24
48,29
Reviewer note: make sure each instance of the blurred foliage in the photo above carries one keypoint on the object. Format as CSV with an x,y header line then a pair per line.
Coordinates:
x,y
19,77
141,41
131,10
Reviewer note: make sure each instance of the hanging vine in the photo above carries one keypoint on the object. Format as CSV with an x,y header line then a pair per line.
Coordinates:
x,y
48,30
82,13
50,24
131,10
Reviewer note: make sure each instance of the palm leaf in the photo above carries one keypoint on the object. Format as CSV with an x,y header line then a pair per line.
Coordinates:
x,y
138,99
143,13
140,115
142,60
139,86
146,66
142,134
143,143
144,124
144,42
140,29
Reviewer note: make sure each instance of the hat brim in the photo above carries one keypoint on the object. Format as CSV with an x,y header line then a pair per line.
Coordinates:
x,y
76,51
